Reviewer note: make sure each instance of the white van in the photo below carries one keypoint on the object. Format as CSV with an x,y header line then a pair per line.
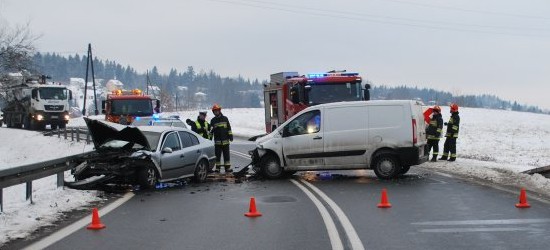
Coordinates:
x,y
386,136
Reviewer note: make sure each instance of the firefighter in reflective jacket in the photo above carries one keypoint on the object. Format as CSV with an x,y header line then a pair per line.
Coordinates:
x,y
200,126
452,134
222,135
434,132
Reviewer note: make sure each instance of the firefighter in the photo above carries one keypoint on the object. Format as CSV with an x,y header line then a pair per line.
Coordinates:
x,y
222,135
451,135
200,126
434,132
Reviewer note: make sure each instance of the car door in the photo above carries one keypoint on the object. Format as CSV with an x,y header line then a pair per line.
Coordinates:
x,y
191,151
303,141
172,163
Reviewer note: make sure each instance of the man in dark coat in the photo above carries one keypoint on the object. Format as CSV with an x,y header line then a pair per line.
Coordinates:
x,y
433,132
452,134
222,135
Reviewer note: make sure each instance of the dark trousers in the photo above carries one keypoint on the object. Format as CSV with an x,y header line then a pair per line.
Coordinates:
x,y
435,145
219,149
449,146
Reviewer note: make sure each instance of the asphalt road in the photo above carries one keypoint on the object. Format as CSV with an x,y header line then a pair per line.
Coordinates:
x,y
429,211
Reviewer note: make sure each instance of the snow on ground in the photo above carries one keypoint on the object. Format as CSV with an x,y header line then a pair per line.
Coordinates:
x,y
20,218
494,145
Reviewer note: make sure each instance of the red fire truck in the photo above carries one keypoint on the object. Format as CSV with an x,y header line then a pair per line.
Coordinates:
x,y
288,93
123,106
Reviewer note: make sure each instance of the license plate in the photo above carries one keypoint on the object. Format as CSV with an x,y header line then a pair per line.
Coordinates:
x,y
55,116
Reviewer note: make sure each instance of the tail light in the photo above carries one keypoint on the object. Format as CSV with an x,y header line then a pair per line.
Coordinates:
x,y
415,138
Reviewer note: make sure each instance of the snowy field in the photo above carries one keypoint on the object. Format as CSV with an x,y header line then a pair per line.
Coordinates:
x,y
494,145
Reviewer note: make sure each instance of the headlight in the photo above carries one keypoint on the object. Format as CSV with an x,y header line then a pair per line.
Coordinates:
x,y
67,117
39,117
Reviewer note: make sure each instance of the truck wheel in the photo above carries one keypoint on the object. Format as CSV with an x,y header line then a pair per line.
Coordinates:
x,y
201,171
270,167
62,126
147,177
53,126
386,166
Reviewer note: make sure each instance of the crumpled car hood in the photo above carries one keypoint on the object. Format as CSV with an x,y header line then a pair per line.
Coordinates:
x,y
102,133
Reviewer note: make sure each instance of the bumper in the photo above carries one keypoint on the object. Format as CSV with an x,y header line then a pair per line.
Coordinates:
x,y
411,156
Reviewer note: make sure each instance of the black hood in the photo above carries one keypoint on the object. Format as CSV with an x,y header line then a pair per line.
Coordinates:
x,y
102,133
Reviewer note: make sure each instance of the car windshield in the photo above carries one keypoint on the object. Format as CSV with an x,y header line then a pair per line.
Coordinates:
x,y
334,92
132,107
53,93
153,139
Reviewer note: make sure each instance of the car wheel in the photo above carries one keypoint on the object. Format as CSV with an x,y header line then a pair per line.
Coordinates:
x,y
386,166
201,171
147,177
270,167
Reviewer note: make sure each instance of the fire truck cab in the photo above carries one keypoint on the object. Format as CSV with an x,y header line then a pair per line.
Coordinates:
x,y
289,93
124,106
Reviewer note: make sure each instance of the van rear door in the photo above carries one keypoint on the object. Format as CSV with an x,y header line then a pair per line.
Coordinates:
x,y
418,120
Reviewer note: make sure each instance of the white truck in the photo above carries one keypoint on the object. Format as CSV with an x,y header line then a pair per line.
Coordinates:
x,y
33,104
386,136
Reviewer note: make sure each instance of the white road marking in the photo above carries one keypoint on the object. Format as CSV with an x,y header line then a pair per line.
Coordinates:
x,y
237,153
481,222
57,236
334,236
481,229
354,239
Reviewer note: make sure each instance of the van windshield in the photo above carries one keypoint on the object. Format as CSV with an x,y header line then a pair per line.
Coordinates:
x,y
334,92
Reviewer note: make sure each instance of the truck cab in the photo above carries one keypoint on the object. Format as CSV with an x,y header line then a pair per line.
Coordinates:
x,y
386,136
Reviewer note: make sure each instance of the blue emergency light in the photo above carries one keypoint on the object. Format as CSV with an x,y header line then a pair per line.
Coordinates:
x,y
156,116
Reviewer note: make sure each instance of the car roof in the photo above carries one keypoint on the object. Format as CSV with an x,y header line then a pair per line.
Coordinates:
x,y
161,129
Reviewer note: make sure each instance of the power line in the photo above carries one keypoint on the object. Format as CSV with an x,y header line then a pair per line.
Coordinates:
x,y
367,19
468,10
400,18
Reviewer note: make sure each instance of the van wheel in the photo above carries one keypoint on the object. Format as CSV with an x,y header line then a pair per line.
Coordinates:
x,y
270,167
147,177
386,166
404,170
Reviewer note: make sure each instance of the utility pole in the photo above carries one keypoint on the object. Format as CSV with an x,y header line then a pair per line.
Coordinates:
x,y
88,62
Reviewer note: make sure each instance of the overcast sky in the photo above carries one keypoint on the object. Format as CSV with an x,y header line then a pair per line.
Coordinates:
x,y
499,47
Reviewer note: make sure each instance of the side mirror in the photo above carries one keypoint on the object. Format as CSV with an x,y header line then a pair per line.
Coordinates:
x,y
103,111
167,150
70,94
284,132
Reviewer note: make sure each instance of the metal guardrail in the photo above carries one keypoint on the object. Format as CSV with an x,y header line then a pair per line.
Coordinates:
x,y
73,133
30,172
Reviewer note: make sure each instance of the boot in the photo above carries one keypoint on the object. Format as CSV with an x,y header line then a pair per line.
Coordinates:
x,y
228,169
452,159
434,159
443,158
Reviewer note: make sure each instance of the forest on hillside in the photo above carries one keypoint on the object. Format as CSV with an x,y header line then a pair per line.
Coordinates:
x,y
240,92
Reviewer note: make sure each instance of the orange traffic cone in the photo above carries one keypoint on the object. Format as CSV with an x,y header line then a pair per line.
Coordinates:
x,y
96,223
384,203
523,200
252,212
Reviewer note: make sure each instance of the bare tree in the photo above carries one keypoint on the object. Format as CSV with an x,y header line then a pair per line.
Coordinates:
x,y
16,47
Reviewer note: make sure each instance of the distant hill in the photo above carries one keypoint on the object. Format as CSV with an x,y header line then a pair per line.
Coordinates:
x,y
243,92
